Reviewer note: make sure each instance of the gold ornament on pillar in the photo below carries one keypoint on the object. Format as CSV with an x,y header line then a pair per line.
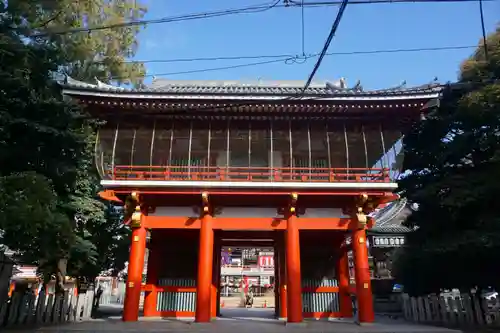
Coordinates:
x,y
135,220
205,203
361,218
132,210
360,213
293,203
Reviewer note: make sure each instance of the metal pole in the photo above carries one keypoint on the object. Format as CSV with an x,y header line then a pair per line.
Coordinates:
x,y
309,148
364,144
346,150
271,158
132,150
227,145
171,145
209,143
152,145
249,144
189,147
383,148
328,147
113,155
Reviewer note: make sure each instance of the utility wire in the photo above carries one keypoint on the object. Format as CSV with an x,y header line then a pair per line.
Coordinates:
x,y
194,16
303,28
286,59
250,9
485,42
293,3
333,30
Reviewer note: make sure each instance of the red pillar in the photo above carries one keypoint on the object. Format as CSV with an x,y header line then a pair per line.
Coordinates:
x,y
362,276
294,288
150,297
134,277
276,282
343,279
215,278
282,278
204,282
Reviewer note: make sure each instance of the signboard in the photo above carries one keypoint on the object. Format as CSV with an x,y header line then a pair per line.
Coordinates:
x,y
266,261
388,241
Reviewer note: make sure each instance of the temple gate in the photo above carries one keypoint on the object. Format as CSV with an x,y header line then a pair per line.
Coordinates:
x,y
201,164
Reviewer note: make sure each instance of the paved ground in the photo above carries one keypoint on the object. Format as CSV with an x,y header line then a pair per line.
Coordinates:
x,y
233,320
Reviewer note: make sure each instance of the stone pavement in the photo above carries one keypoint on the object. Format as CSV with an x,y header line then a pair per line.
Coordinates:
x,y
235,320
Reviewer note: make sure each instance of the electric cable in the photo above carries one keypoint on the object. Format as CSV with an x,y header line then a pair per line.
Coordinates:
x,y
303,28
251,9
285,56
286,59
483,30
194,16
333,30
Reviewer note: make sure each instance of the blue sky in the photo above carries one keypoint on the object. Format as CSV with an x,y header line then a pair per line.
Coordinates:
x,y
278,31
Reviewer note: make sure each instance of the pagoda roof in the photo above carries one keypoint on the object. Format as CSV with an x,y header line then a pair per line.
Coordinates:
x,y
203,89
390,219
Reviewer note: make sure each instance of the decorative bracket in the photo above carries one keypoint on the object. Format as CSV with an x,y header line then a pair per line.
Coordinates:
x,y
364,205
133,211
292,209
205,203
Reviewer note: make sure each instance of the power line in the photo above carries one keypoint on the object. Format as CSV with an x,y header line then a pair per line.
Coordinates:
x,y
483,29
360,2
333,30
250,9
303,28
286,59
194,16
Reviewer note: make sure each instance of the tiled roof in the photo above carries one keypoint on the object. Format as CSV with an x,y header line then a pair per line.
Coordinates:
x,y
263,88
390,218
390,229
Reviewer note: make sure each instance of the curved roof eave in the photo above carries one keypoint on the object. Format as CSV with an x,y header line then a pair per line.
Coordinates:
x,y
234,90
390,219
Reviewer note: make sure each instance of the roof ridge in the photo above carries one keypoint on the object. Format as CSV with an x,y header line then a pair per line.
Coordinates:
x,y
333,89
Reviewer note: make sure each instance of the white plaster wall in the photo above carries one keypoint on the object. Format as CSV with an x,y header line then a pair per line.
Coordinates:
x,y
248,212
174,211
245,212
324,212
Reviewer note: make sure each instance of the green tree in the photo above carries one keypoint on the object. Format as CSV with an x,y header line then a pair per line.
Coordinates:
x,y
97,53
454,158
48,183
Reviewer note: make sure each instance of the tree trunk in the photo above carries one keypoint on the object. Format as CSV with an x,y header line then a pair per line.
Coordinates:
x,y
61,276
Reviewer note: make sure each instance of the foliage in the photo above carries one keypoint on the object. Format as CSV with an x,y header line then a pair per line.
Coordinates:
x,y
50,212
454,158
98,53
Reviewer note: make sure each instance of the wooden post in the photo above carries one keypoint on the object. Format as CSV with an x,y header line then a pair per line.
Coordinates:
x,y
343,280
204,281
276,281
215,278
134,278
294,288
362,276
154,257
282,277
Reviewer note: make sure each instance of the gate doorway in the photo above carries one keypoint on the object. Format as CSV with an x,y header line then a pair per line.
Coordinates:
x,y
248,275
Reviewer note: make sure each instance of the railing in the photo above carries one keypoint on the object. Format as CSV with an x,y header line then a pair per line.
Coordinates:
x,y
283,174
